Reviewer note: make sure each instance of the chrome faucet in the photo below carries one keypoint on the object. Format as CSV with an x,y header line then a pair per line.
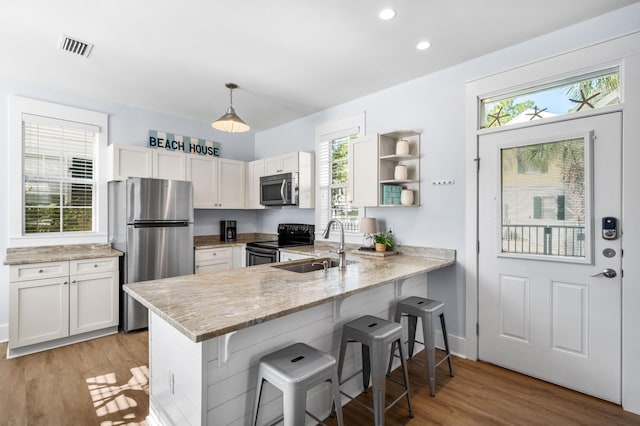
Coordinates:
x,y
341,253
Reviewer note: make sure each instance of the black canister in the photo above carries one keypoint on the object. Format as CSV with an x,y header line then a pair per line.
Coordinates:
x,y
228,230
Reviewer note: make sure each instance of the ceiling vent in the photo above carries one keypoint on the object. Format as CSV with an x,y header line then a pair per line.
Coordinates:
x,y
73,45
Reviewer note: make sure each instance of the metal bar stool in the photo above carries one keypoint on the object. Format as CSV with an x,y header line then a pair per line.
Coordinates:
x,y
295,370
425,309
377,336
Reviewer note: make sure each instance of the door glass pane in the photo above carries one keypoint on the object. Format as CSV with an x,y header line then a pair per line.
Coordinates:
x,y
543,199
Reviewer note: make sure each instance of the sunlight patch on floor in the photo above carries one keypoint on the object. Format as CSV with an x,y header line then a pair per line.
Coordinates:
x,y
112,400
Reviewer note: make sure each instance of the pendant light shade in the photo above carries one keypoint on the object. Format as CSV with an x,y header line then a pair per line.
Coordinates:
x,y
230,122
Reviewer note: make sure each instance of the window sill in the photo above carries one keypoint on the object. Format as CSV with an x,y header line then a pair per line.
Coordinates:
x,y
50,240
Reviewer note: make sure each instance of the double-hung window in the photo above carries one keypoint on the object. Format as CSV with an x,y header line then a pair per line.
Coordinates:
x,y
57,179
332,152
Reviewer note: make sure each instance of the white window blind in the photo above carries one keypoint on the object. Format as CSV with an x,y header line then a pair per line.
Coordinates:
x,y
58,175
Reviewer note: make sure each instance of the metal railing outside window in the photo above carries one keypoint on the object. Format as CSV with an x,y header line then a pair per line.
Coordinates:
x,y
551,240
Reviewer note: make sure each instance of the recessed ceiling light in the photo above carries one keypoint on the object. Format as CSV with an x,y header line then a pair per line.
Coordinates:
x,y
386,14
423,45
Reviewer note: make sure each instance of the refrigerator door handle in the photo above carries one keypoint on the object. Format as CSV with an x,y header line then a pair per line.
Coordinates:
x,y
162,224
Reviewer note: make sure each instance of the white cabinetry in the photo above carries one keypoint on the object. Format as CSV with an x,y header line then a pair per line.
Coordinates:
x,y
239,256
93,294
169,165
218,183
282,164
54,300
212,260
231,184
390,160
295,162
219,259
378,173
255,170
201,171
363,173
133,161
128,161
286,256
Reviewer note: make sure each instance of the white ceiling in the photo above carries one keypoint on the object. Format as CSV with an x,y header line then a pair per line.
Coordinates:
x,y
290,58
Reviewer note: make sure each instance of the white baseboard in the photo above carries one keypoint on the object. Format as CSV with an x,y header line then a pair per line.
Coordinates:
x,y
457,345
4,332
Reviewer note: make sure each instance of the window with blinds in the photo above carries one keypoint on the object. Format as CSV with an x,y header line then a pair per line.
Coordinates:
x,y
58,176
334,184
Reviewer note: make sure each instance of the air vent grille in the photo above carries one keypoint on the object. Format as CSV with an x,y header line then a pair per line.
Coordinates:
x,y
75,46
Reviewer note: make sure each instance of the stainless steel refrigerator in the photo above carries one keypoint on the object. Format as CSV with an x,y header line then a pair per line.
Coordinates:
x,y
151,221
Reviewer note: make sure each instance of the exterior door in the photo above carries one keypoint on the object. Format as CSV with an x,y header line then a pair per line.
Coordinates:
x,y
545,307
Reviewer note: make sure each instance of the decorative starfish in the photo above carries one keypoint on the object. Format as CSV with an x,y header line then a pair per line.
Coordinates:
x,y
496,117
536,113
584,101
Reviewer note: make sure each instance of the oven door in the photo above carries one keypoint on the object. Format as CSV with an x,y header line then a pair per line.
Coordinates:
x,y
260,256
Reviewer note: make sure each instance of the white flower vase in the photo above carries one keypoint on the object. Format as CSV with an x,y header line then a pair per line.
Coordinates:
x,y
406,197
402,147
400,173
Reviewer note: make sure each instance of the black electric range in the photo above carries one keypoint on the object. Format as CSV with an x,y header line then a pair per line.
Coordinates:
x,y
289,235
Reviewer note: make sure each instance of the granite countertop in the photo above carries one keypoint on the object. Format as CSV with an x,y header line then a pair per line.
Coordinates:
x,y
210,305
25,255
213,241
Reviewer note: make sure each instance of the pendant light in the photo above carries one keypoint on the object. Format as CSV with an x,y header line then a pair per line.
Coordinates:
x,y
230,122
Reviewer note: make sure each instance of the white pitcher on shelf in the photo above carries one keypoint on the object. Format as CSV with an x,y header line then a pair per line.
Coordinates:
x,y
406,197
400,172
402,147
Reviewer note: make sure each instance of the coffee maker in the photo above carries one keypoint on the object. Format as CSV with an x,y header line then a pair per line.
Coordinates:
x,y
228,230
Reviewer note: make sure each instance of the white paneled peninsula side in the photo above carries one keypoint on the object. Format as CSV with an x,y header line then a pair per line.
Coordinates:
x,y
207,332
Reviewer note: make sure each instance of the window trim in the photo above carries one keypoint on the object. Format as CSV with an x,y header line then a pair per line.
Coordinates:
x,y
325,132
19,106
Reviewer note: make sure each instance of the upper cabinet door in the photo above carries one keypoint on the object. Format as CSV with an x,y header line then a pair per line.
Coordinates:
x,y
169,165
255,170
290,162
231,184
281,164
363,171
201,171
129,161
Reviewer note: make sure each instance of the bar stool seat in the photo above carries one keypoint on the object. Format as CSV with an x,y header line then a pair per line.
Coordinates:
x,y
426,309
378,338
295,370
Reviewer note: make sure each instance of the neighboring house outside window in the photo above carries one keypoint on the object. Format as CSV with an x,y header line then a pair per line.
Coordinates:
x,y
57,174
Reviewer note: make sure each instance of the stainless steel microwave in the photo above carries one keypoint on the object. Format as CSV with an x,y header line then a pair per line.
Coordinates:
x,y
279,190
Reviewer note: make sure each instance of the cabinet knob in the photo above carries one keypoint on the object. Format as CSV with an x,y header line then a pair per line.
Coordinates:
x,y
65,283
214,253
73,282
40,271
95,265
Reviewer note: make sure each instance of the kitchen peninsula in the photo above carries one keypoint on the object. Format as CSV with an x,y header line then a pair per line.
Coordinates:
x,y
207,332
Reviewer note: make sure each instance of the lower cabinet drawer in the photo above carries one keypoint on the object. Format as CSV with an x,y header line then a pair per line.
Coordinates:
x,y
211,254
89,266
36,271
204,267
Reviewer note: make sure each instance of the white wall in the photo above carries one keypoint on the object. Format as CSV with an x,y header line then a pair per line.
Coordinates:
x,y
435,105
129,126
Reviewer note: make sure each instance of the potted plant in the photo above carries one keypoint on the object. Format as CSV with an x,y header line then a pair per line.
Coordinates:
x,y
383,240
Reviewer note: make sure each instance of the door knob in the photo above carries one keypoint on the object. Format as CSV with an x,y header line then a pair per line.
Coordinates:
x,y
609,273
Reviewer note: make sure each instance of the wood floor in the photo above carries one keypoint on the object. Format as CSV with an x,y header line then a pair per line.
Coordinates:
x,y
99,382
105,382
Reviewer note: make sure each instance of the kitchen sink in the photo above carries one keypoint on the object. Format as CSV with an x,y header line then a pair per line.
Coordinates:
x,y
311,265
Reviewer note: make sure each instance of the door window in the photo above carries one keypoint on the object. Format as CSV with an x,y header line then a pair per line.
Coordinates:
x,y
544,198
